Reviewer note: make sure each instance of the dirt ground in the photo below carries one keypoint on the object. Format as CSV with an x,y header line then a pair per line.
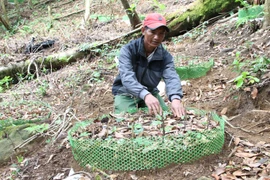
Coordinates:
x,y
75,87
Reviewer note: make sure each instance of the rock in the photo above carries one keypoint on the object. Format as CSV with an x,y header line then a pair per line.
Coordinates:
x,y
11,137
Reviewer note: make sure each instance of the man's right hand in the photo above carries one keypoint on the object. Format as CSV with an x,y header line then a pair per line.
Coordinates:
x,y
153,104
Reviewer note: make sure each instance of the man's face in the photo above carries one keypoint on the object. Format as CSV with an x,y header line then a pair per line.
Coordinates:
x,y
153,38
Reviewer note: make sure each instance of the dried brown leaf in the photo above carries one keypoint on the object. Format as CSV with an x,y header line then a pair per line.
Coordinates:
x,y
247,89
254,93
246,143
119,135
102,133
245,155
215,176
220,170
224,111
254,165
227,176
239,173
237,140
249,160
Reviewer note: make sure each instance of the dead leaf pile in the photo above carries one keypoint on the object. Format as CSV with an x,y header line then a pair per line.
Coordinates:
x,y
141,124
30,110
254,162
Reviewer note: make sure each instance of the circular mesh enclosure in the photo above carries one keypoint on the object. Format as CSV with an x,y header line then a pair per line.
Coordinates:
x,y
142,153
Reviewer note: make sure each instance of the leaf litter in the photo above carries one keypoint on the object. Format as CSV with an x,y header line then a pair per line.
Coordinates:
x,y
253,163
141,124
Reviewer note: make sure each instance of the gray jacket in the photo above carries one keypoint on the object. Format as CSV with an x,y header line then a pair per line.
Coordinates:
x,y
138,77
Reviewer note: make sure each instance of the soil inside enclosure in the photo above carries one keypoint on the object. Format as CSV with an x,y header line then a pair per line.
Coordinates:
x,y
82,91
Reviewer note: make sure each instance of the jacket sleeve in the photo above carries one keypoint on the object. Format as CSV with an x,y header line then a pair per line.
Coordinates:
x,y
171,78
127,74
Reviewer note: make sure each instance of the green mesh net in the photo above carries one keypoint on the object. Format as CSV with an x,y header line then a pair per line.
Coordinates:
x,y
194,71
143,153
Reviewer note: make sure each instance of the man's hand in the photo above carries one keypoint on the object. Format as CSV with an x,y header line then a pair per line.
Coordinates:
x,y
178,108
153,104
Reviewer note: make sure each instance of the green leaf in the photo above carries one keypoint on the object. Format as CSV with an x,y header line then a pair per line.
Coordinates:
x,y
156,123
120,119
239,83
159,117
38,128
138,128
168,128
142,141
84,134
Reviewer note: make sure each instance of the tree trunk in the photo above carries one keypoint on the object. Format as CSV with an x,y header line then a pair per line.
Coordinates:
x,y
4,12
184,20
132,14
87,11
266,14
5,23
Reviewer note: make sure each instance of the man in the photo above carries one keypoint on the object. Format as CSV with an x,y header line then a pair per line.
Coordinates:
x,y
142,64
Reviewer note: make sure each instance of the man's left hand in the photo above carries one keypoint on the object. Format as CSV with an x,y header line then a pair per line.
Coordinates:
x,y
178,108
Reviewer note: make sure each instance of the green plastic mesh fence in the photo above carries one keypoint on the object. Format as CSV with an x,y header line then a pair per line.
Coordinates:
x,y
194,71
143,153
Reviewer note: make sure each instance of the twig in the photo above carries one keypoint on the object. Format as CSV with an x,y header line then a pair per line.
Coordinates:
x,y
260,111
257,124
50,158
55,129
228,18
231,118
232,126
70,14
96,169
233,151
264,130
27,141
163,126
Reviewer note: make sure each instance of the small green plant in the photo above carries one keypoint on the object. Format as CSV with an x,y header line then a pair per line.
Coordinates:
x,y
131,10
96,77
245,78
161,7
38,128
243,3
137,128
20,159
237,64
14,171
26,30
249,13
260,64
48,141
4,83
85,46
42,89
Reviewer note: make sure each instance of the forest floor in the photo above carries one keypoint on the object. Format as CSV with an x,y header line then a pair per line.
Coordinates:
x,y
82,90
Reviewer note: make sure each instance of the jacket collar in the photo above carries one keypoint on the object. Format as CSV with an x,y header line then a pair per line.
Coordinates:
x,y
158,53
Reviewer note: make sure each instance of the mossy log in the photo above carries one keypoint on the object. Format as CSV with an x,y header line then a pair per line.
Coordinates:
x,y
197,12
54,61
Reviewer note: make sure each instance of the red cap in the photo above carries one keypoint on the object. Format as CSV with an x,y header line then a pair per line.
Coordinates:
x,y
154,21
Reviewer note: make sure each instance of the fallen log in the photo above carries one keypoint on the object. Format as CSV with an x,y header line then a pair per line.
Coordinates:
x,y
195,13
